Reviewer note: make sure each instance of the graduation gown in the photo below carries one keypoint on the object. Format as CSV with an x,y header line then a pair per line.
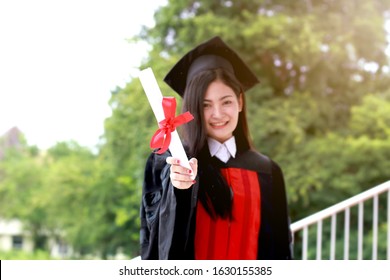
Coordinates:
x,y
168,215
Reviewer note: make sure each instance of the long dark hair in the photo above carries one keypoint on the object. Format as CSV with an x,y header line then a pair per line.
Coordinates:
x,y
214,193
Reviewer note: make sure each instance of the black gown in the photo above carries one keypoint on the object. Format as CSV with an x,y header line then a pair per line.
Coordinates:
x,y
168,214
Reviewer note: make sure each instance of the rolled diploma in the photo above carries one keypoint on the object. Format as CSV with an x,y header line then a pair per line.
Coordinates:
x,y
155,97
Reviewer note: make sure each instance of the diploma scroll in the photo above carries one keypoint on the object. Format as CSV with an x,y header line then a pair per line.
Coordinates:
x,y
155,98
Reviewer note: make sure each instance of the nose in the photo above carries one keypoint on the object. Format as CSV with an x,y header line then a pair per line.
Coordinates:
x,y
217,111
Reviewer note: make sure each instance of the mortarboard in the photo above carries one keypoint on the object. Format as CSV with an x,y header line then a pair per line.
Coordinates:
x,y
211,54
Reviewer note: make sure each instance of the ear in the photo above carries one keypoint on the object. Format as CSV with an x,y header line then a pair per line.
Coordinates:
x,y
240,102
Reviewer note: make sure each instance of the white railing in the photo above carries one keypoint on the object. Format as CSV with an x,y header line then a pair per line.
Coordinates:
x,y
345,206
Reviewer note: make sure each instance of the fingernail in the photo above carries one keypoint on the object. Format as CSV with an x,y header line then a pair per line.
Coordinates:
x,y
189,171
193,182
177,161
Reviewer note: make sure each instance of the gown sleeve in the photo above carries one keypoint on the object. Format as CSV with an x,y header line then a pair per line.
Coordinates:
x,y
149,212
165,213
283,250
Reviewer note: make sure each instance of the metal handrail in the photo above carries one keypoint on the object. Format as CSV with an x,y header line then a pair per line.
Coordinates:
x,y
345,206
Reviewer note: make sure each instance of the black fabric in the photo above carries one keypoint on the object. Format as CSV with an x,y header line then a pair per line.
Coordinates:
x,y
203,57
168,214
179,248
215,194
158,209
275,237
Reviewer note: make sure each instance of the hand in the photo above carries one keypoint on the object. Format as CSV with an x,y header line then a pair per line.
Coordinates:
x,y
181,177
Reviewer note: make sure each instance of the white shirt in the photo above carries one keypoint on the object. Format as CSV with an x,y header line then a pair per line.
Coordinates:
x,y
223,151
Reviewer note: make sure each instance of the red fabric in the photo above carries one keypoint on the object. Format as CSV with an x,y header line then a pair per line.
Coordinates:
x,y
235,239
162,137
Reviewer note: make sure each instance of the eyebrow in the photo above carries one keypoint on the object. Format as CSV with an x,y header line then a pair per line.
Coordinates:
x,y
222,98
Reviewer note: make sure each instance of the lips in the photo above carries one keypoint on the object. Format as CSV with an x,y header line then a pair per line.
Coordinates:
x,y
218,124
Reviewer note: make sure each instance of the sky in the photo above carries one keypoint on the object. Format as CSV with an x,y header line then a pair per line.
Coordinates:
x,y
60,60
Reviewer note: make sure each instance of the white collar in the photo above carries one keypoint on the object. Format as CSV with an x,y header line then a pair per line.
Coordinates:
x,y
223,151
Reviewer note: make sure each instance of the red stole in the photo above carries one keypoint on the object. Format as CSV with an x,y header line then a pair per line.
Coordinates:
x,y
235,239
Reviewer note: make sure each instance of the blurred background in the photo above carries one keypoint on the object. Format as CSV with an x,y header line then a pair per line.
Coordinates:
x,y
75,124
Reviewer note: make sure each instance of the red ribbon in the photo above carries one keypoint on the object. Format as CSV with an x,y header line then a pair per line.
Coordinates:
x,y
162,138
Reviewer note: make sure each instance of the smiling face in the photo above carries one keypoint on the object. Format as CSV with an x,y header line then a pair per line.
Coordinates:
x,y
221,108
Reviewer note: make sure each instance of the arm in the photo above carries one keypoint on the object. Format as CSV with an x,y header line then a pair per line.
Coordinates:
x,y
178,204
150,206
282,226
161,201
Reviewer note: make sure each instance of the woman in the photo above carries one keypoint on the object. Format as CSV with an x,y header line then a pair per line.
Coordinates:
x,y
236,208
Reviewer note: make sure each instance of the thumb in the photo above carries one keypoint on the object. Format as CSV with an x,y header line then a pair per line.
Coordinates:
x,y
194,165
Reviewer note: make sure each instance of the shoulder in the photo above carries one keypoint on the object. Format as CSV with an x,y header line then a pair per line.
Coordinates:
x,y
253,160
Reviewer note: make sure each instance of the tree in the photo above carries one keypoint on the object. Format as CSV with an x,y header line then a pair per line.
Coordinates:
x,y
319,77
313,60
89,207
21,177
127,135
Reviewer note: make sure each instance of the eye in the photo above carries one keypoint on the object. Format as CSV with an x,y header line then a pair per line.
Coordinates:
x,y
206,105
227,102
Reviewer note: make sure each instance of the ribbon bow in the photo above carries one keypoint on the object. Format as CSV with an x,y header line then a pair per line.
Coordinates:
x,y
162,137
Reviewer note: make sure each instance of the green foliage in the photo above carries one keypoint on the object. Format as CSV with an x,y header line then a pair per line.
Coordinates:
x,y
21,178
372,118
320,111
21,255
98,205
340,164
71,195
129,128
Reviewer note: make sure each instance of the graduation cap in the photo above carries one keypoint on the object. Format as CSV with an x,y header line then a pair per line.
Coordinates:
x,y
211,54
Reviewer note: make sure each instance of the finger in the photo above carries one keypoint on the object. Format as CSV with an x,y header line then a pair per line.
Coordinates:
x,y
181,170
194,163
172,161
182,184
194,166
181,177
